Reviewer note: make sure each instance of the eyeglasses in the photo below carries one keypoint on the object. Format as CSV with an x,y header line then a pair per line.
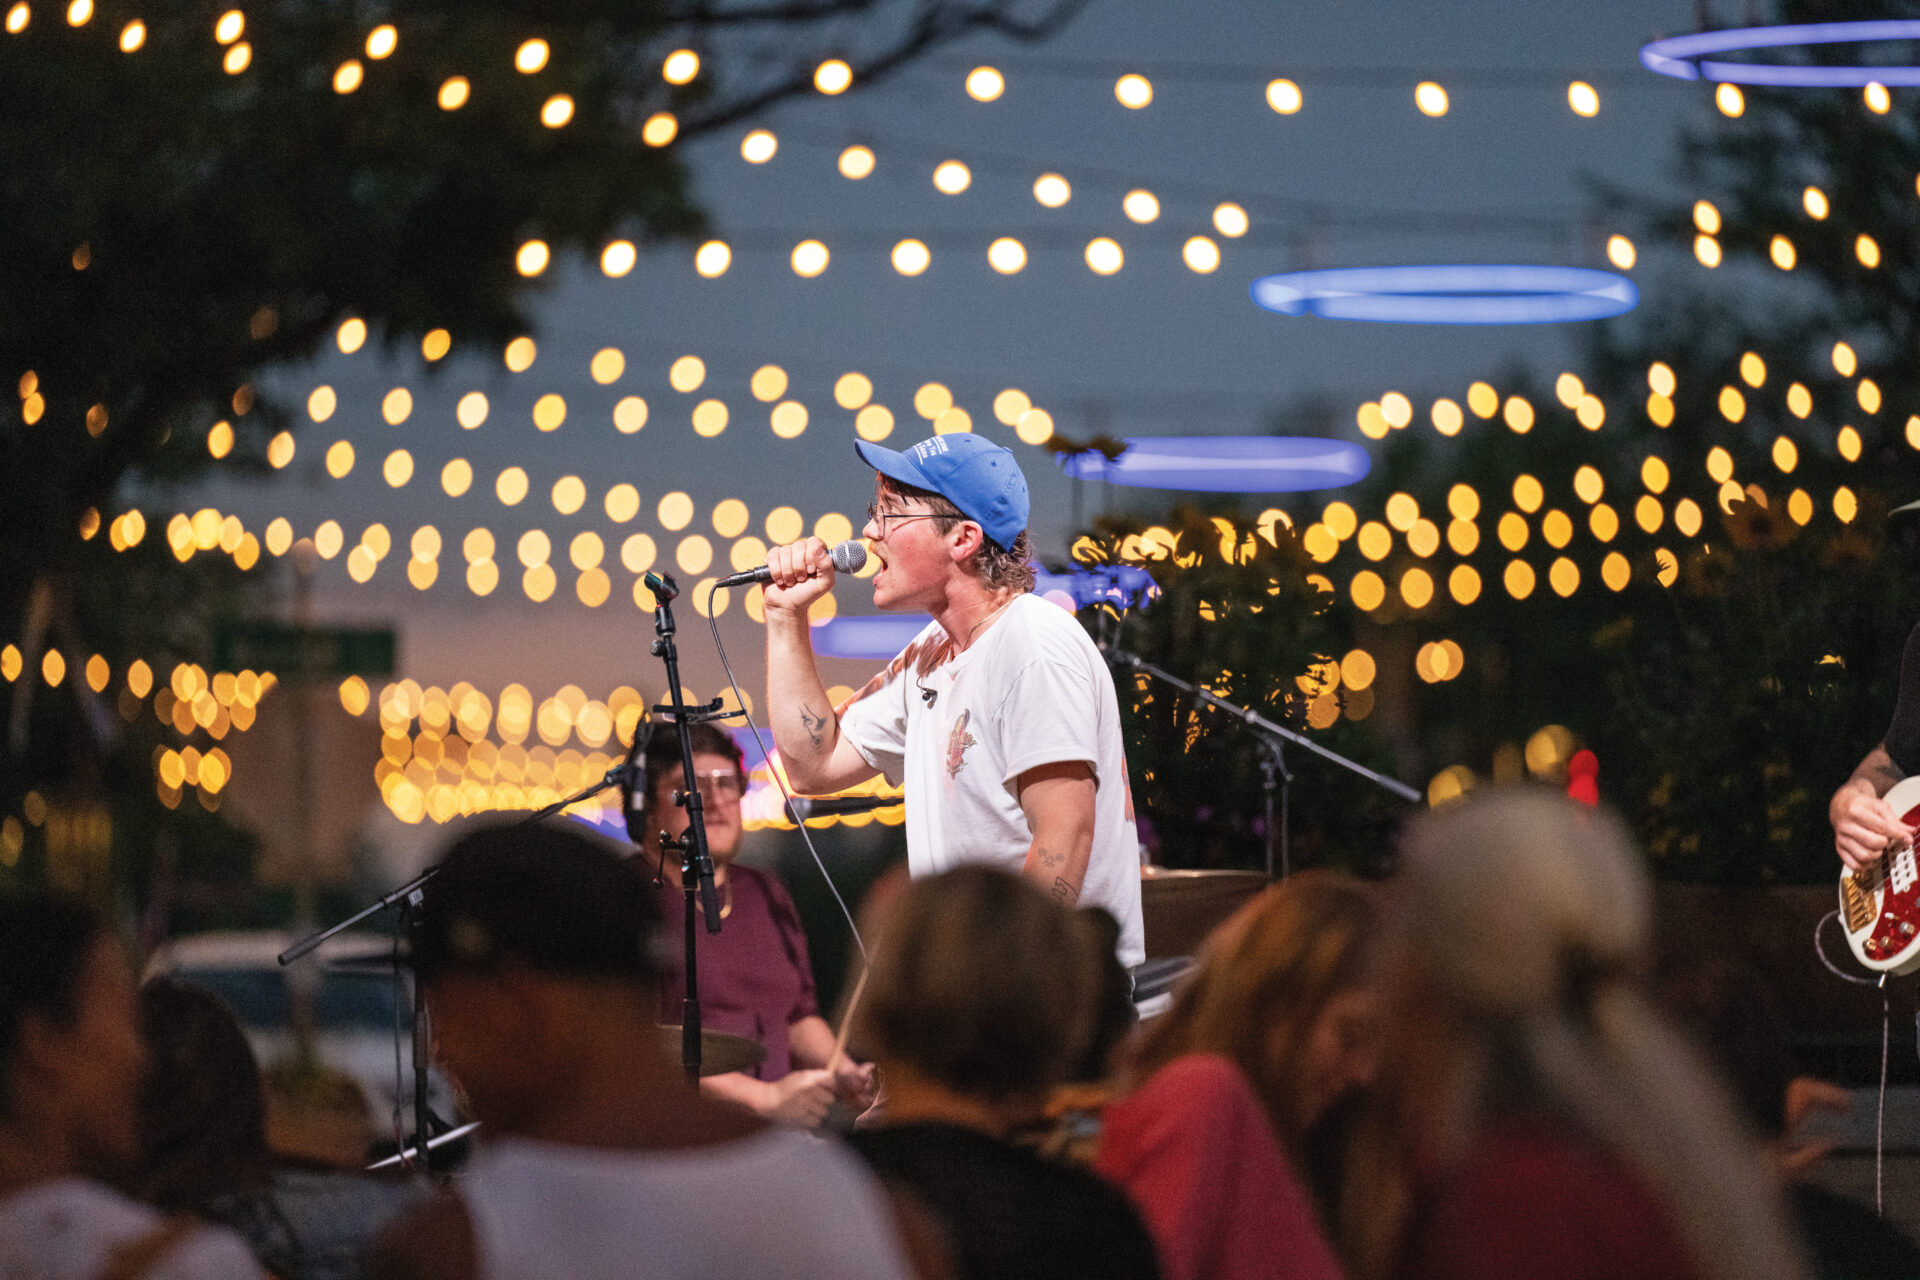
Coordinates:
x,y
719,784
881,519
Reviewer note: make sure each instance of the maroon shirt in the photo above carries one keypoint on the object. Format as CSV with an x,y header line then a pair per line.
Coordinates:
x,y
755,978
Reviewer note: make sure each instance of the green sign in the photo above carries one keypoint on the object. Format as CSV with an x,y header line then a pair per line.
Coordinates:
x,y
304,653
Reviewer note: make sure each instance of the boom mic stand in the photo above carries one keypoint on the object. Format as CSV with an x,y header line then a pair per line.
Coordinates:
x,y
1273,765
696,870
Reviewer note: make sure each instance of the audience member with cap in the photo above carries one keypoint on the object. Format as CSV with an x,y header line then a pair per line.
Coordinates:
x,y
1000,718
71,1060
982,994
756,980
537,953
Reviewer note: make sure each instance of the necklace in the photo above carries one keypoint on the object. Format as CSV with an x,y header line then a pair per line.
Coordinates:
x,y
989,618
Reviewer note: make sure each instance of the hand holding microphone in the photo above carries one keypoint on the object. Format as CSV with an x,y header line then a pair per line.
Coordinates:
x,y
798,574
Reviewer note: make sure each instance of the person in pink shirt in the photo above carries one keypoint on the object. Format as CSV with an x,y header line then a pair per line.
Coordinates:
x,y
1276,1026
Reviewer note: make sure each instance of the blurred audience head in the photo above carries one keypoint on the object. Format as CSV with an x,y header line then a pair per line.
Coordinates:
x,y
1282,990
982,985
1521,931
70,1049
535,943
203,1114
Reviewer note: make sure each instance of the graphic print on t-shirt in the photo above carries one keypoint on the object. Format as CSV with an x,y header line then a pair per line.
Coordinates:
x,y
957,743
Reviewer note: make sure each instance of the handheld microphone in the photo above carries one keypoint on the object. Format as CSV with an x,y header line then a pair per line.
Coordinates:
x,y
804,807
848,557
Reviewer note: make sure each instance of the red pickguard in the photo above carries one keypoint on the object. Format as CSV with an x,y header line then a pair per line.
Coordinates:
x,y
1892,944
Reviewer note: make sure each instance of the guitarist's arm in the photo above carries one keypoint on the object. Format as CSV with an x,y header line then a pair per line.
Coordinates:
x,y
1863,825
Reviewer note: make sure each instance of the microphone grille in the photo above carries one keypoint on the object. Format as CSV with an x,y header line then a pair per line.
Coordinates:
x,y
849,556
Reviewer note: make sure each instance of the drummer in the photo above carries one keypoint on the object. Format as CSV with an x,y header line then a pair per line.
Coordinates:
x,y
755,978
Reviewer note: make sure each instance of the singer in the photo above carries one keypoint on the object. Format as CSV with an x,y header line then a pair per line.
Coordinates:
x,y
1000,717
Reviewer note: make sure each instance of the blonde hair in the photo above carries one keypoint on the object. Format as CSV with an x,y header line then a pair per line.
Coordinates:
x,y
1262,979
983,984
1532,916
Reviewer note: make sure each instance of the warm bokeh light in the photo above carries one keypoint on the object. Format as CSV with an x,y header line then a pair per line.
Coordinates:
x,y
675,511
454,93
1200,254
549,411
1518,414
1707,250
712,259
1845,362
1814,201
680,67
398,468
321,403
1140,206
660,129
1875,95
788,419
1007,255
532,258
911,257
1867,249
349,76
984,84
471,410
1430,98
132,36
382,41
856,162
1104,256
710,418
932,400
1847,442
511,486
1052,190
340,459
1781,250
759,146
1730,100
1133,91
1230,220
1621,253
531,56
435,344
809,258
687,373
833,76
617,258
1583,98
1283,96
1447,417
569,494
1483,400
950,177
629,415
238,58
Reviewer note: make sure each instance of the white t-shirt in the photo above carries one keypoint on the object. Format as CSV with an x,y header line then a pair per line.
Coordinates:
x,y
69,1229
778,1203
958,729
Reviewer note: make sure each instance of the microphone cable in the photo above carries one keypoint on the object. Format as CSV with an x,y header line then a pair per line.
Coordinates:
x,y
713,624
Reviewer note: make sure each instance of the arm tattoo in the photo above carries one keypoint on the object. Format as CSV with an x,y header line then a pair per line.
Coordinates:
x,y
813,722
1064,891
1050,860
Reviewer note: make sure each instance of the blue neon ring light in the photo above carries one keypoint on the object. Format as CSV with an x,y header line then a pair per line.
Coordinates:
x,y
1226,464
1685,57
1450,294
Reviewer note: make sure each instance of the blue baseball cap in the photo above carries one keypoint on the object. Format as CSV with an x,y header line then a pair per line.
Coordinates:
x,y
970,471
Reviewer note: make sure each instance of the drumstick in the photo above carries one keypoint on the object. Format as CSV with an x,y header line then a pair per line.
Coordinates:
x,y
846,1022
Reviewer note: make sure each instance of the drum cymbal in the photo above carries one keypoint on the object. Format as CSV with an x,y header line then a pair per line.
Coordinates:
x,y
719,1052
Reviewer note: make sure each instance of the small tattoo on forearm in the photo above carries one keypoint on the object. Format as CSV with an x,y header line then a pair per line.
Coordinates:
x,y
812,722
1064,891
1050,860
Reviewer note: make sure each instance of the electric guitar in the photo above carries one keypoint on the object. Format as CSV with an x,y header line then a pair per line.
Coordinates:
x,y
1880,906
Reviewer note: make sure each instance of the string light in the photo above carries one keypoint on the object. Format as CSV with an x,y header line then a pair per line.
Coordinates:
x,y
349,76
1201,254
1104,256
681,66
531,56
660,129
556,111
1006,255
856,162
382,41
1052,190
832,77
618,258
985,84
951,177
712,259
1141,206
132,36
1430,98
1284,96
226,29
1730,100
1584,99
911,257
759,146
1878,100
18,17
1814,201
239,57
810,258
1621,253
1133,91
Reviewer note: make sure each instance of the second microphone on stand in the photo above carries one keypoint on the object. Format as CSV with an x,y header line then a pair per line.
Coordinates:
x,y
847,557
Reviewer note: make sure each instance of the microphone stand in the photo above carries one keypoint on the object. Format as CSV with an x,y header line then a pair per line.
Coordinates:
x,y
1273,765
696,864
409,897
